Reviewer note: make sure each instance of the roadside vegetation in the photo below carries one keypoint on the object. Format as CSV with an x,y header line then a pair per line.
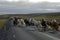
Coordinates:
x,y
2,22
39,17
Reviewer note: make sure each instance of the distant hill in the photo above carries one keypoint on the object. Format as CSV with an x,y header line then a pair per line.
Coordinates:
x,y
9,15
54,13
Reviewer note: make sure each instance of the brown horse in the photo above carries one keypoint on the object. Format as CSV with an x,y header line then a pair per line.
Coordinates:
x,y
53,25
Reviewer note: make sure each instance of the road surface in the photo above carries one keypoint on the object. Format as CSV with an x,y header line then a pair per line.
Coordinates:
x,y
18,33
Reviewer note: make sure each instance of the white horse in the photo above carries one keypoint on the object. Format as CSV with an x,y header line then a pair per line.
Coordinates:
x,y
21,23
37,24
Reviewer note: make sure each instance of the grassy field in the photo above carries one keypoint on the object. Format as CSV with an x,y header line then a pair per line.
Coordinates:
x,y
2,22
39,17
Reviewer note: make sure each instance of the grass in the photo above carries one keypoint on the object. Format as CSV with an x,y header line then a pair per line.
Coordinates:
x,y
39,17
2,22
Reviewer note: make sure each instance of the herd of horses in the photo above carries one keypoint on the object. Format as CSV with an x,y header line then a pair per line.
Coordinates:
x,y
42,24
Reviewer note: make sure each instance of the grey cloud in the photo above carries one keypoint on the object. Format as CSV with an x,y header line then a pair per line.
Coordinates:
x,y
26,7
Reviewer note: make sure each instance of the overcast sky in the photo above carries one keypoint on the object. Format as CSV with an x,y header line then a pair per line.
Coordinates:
x,y
29,6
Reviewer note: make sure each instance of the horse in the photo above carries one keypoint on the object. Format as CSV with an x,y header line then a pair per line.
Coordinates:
x,y
53,25
21,23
